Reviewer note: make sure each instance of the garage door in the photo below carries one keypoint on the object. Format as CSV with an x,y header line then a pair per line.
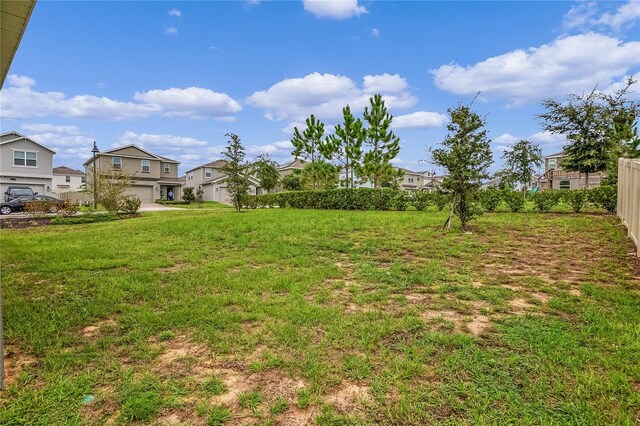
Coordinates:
x,y
145,193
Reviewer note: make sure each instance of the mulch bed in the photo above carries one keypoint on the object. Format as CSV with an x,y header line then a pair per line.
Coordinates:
x,y
30,222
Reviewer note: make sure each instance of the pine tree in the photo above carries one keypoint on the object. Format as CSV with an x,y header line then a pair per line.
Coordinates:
x,y
383,145
466,156
308,146
345,146
236,170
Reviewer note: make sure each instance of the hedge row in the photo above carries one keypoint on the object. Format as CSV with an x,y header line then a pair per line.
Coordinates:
x,y
394,199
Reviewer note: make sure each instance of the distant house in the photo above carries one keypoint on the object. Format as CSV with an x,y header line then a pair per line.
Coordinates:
x,y
66,179
290,167
214,182
555,177
25,162
153,176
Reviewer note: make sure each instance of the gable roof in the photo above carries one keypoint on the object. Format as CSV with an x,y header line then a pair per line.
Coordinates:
x,y
557,154
295,164
114,152
64,170
216,164
223,178
20,137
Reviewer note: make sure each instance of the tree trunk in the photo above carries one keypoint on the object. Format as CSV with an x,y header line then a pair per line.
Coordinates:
x,y
586,180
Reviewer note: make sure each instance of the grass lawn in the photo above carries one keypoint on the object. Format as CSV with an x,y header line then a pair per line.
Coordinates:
x,y
208,205
293,317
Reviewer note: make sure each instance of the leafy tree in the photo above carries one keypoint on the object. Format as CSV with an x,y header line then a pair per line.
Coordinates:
x,y
266,171
383,144
187,194
308,145
110,188
345,146
200,196
236,170
294,181
325,175
523,159
506,177
466,156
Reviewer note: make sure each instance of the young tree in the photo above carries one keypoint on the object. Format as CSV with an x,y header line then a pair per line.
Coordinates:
x,y
466,156
200,196
523,159
383,144
266,170
326,175
345,146
236,170
583,121
110,187
308,145
187,194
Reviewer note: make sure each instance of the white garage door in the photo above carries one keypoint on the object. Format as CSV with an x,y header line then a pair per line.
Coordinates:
x,y
145,193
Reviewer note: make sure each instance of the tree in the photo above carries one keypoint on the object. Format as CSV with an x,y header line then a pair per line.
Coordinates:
x,y
583,121
200,196
110,187
266,170
293,181
326,175
523,159
308,145
383,144
466,156
187,194
236,170
345,146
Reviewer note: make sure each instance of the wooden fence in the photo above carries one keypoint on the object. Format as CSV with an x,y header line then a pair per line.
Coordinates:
x,y
629,198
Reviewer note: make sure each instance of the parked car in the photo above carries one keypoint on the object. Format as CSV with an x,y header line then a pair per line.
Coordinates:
x,y
20,203
14,192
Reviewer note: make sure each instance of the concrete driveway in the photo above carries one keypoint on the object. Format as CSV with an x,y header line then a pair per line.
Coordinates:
x,y
153,207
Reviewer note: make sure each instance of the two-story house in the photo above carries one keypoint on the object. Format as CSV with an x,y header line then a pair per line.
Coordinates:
x,y
66,179
213,182
153,176
25,162
555,177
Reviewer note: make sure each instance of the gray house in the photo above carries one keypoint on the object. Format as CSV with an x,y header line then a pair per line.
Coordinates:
x,y
25,162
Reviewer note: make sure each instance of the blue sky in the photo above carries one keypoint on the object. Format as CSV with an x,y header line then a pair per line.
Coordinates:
x,y
174,77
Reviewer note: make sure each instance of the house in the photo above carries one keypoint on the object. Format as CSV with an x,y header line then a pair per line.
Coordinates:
x,y
290,167
66,179
555,177
213,182
153,176
25,162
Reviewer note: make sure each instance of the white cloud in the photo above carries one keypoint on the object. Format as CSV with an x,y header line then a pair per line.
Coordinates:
x,y
20,100
324,95
634,91
50,128
506,139
375,32
153,141
252,3
419,119
280,149
175,12
548,139
585,15
335,9
567,65
170,31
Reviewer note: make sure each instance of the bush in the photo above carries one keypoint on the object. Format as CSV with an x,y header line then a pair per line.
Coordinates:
x,y
545,200
69,209
39,209
575,199
172,203
187,194
401,200
514,199
605,196
129,204
490,198
440,199
85,218
420,200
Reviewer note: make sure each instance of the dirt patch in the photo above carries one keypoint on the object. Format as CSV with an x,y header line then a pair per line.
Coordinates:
x,y
575,292
15,361
181,356
350,398
541,297
519,306
99,328
174,268
299,417
478,325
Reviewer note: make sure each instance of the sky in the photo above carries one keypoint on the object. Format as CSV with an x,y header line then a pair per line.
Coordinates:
x,y
174,77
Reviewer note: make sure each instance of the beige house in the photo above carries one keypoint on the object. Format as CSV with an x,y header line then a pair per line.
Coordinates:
x,y
154,176
213,181
66,179
555,177
25,162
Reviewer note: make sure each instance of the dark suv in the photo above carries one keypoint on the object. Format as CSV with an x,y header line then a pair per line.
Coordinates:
x,y
14,192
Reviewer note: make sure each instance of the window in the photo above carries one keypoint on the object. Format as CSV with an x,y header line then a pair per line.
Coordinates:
x,y
117,163
410,178
25,158
67,179
565,184
552,164
207,172
166,167
145,165
83,179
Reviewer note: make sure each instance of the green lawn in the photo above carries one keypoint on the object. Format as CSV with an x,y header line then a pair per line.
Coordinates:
x,y
290,317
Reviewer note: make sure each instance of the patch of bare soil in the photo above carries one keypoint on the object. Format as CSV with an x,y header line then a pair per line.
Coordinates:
x,y
15,361
520,306
299,417
174,268
350,398
181,356
575,292
103,410
98,328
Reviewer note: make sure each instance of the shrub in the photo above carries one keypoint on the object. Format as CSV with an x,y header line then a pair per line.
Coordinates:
x,y
40,209
187,194
129,204
490,199
545,200
514,199
605,196
440,199
69,209
575,199
420,200
400,200
85,218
